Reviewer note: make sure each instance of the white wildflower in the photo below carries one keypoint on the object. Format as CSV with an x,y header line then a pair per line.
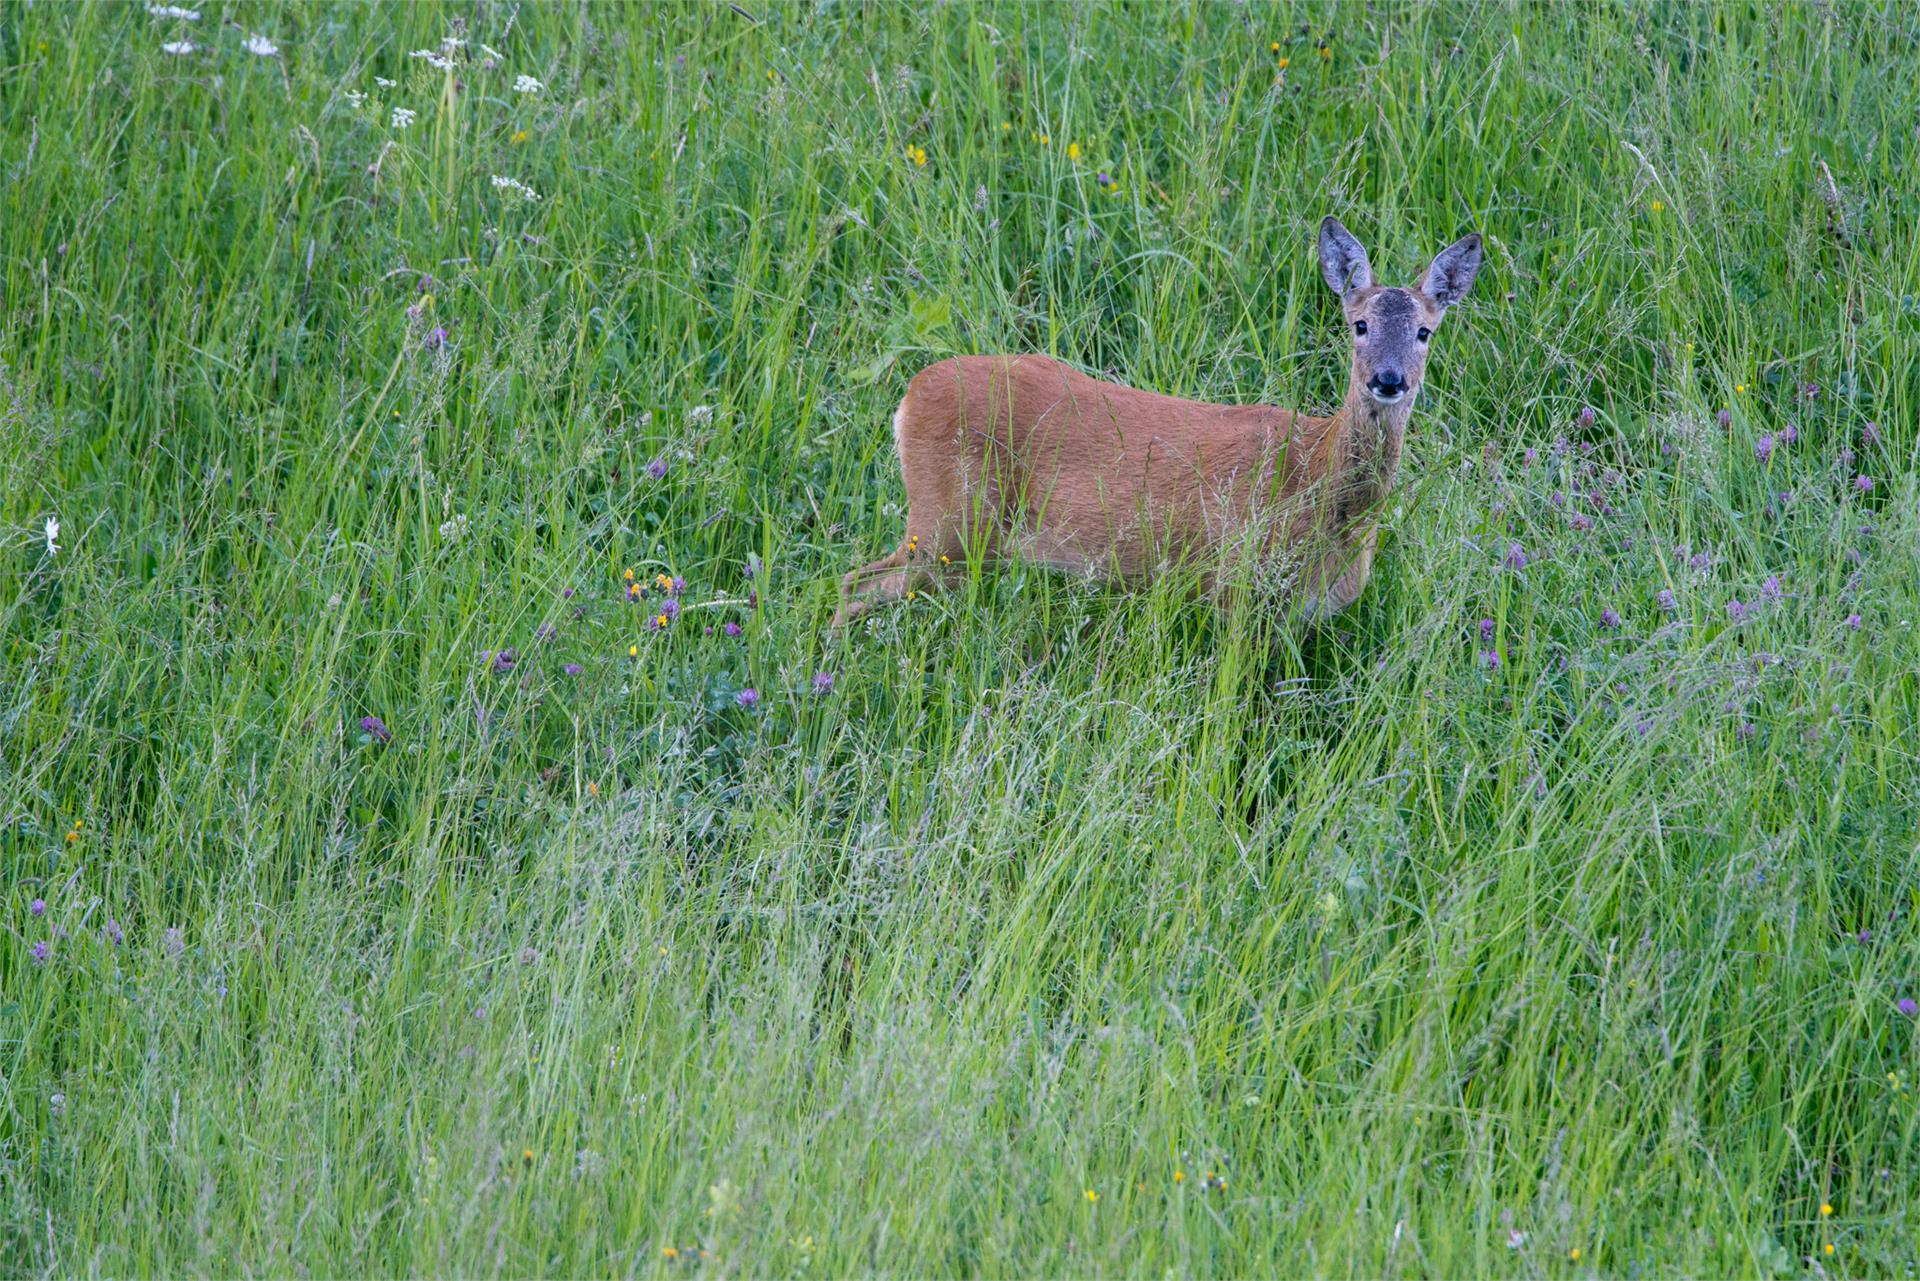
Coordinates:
x,y
700,415
449,43
453,530
385,83
514,184
261,47
53,533
402,117
177,47
173,11
357,98
527,84
432,59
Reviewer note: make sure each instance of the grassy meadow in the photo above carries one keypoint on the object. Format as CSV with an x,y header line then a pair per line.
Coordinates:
x,y
405,875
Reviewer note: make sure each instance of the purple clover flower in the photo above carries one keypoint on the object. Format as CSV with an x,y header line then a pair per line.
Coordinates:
x,y
545,632
1531,457
502,662
748,697
41,951
1908,1006
1582,522
1667,600
1863,483
114,932
1587,415
1789,434
1853,622
38,907
1516,558
1770,591
1610,618
572,669
1701,562
670,607
731,629
1489,658
1486,630
376,728
1870,434
1736,611
658,468
1725,418
436,338
823,682
1763,447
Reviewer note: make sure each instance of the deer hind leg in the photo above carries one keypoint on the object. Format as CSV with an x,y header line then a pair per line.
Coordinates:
x,y
935,545
913,566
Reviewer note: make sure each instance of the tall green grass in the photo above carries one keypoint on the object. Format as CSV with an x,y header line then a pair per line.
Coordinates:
x,y
1070,930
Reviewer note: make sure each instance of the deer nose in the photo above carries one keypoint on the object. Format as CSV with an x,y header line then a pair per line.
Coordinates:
x,y
1388,382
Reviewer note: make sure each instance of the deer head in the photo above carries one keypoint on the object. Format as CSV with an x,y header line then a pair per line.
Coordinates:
x,y
1392,327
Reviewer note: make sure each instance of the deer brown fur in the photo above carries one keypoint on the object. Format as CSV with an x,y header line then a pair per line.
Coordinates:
x,y
1026,455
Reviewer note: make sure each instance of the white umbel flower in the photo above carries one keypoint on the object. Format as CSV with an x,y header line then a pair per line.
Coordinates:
x,y
432,59
515,185
261,47
527,84
402,117
178,48
53,535
173,11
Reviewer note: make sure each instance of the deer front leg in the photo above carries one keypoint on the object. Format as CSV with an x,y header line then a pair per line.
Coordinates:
x,y
1336,580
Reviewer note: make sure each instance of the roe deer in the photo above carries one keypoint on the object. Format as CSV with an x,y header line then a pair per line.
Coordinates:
x,y
1024,454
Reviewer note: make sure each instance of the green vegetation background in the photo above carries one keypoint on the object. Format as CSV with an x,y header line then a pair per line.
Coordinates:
x,y
1068,931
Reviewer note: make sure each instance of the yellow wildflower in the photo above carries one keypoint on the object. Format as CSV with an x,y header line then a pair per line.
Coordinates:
x,y
1073,151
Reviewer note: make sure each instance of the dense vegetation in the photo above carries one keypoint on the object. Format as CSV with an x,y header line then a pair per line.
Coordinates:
x,y
395,886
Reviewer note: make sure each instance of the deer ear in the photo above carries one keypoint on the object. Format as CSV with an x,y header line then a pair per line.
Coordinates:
x,y
1453,271
1343,263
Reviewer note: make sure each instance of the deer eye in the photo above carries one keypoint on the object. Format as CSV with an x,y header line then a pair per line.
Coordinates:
x,y
1360,327
1423,333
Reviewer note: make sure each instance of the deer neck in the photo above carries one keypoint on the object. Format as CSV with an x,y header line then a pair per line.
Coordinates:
x,y
1365,455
